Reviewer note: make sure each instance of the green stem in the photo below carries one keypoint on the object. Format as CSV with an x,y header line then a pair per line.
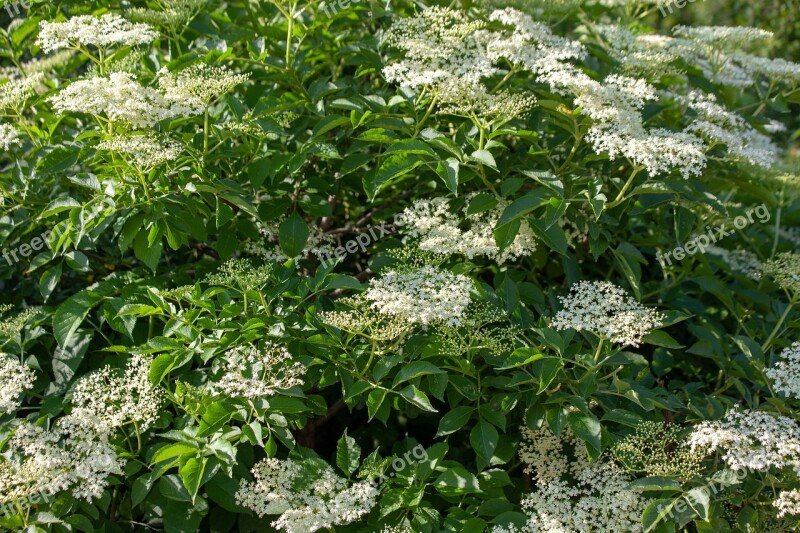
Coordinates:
x,y
425,117
205,135
777,326
777,224
621,196
599,347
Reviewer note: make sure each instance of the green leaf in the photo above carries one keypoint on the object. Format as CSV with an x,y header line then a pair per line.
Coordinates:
x,y
448,171
457,481
483,439
160,367
418,398
662,338
485,157
191,472
49,281
522,206
553,236
293,235
655,483
415,369
699,500
348,454
454,420
655,512
58,160
391,169
587,428
214,417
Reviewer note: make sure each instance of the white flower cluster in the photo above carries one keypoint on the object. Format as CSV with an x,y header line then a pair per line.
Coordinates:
x,y
785,269
116,397
719,52
176,13
750,440
15,378
425,295
199,84
14,92
253,373
75,455
85,30
145,151
788,503
121,98
450,55
439,231
786,372
573,495
9,135
604,309
717,124
741,260
305,505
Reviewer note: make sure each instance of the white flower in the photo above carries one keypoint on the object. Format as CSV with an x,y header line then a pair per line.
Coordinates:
x,y
15,378
750,440
116,397
788,502
785,269
199,84
786,372
321,500
573,495
740,260
14,92
422,296
253,373
717,124
319,243
9,135
85,30
604,309
121,99
439,231
146,151
75,455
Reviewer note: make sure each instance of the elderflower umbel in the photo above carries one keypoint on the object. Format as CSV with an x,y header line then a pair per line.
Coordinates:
x,y
74,455
573,495
788,502
9,135
658,449
719,125
14,92
255,373
117,397
9,327
199,84
361,320
145,151
174,15
121,99
785,269
604,309
15,378
85,30
241,275
750,440
786,372
740,260
307,499
424,295
439,231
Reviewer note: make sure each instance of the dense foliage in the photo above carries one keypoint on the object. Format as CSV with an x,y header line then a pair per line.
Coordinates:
x,y
362,266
